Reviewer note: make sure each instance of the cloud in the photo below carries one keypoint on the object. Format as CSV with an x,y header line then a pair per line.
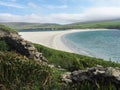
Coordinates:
x,y
56,7
32,5
8,4
90,14
13,0
63,1
6,17
106,2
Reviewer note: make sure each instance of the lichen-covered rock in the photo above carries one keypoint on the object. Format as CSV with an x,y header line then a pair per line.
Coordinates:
x,y
93,75
67,77
113,72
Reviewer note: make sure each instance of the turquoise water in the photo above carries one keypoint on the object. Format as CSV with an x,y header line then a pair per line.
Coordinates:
x,y
101,44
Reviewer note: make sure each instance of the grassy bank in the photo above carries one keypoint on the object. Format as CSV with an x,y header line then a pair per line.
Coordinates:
x,y
71,61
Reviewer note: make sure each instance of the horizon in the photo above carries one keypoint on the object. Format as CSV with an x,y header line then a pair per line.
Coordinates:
x,y
58,11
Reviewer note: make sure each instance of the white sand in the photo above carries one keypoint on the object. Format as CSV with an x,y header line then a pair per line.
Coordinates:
x,y
52,39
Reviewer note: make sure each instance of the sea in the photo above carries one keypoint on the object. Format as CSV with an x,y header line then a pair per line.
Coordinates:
x,y
104,44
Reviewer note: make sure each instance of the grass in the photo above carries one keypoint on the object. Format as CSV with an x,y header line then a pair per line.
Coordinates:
x,y
71,61
4,46
102,24
18,73
7,29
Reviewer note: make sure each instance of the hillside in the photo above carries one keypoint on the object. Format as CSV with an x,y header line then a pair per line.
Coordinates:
x,y
115,24
24,71
23,25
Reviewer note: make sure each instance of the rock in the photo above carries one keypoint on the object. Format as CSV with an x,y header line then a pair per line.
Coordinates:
x,y
91,69
99,72
99,66
51,66
93,75
23,43
37,54
22,46
118,79
31,48
113,72
76,72
66,77
67,80
74,78
58,66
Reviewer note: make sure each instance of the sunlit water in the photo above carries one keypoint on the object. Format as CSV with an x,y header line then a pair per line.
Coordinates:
x,y
101,44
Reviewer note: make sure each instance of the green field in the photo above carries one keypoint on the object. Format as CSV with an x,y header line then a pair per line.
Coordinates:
x,y
86,25
102,24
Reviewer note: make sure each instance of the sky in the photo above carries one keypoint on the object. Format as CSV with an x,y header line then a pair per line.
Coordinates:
x,y
58,11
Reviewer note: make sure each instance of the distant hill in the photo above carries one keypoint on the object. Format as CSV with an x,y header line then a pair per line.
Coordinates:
x,y
24,25
112,24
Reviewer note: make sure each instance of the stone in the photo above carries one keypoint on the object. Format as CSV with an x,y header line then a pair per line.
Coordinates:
x,y
99,72
94,74
66,75
58,66
99,66
23,43
91,69
31,48
67,80
51,66
22,46
112,71
74,78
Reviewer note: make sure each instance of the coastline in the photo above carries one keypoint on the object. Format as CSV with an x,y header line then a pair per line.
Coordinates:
x,y
55,39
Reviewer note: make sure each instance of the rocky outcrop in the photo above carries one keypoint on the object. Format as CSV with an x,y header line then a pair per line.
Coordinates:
x,y
94,75
21,46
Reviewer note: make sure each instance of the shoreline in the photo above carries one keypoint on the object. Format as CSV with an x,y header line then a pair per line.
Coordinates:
x,y
55,39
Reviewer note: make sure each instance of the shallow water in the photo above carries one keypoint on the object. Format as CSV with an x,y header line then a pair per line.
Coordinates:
x,y
101,44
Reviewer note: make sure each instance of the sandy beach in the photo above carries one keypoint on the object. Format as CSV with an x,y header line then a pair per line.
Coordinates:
x,y
51,39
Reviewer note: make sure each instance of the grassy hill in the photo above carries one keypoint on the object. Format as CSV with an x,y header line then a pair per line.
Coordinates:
x,y
101,24
23,25
47,26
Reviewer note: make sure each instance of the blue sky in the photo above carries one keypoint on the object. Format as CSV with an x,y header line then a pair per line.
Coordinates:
x,y
58,11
